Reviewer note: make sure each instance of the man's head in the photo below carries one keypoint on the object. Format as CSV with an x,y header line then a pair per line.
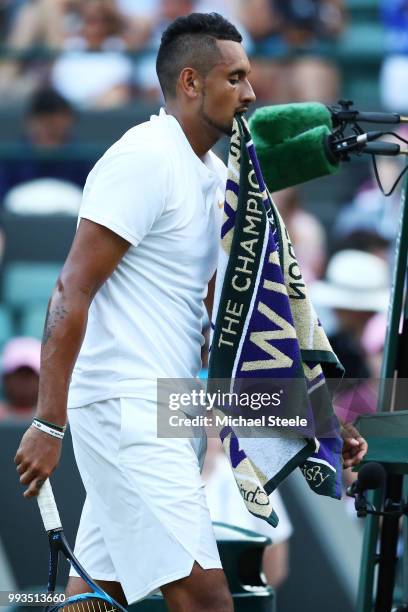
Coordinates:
x,y
202,65
50,119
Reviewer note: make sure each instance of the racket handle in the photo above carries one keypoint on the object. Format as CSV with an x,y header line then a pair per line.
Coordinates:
x,y
48,507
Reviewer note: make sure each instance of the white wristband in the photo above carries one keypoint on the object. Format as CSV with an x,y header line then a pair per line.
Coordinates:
x,y
49,430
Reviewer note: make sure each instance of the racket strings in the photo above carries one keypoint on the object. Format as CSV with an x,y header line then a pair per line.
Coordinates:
x,y
90,604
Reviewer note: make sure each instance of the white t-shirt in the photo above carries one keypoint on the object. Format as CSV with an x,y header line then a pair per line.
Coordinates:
x,y
145,321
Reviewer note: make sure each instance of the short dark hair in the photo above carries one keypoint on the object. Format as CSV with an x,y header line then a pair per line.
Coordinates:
x,y
191,41
47,101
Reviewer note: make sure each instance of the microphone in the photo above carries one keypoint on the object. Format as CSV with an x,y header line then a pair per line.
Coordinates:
x,y
385,148
342,113
338,149
290,143
296,143
371,476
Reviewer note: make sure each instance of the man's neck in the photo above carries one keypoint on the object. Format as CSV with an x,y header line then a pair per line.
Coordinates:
x,y
201,136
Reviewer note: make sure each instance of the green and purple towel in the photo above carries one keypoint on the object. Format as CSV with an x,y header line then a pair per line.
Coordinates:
x,y
264,327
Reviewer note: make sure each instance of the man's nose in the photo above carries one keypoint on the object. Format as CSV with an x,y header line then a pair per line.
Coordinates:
x,y
248,95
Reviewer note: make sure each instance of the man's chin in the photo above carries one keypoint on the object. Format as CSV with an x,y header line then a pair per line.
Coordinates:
x,y
224,129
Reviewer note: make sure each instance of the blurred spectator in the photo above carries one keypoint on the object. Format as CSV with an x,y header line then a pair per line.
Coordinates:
x,y
394,72
171,9
281,29
373,340
226,506
307,22
50,119
284,25
43,23
306,232
227,8
369,223
140,19
148,18
315,78
44,197
20,367
356,286
361,397
33,24
140,9
372,217
362,240
5,17
93,71
49,124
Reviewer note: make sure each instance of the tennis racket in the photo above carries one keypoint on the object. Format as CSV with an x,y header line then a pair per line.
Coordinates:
x,y
95,601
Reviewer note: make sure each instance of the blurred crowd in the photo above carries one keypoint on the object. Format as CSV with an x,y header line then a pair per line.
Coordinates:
x,y
102,52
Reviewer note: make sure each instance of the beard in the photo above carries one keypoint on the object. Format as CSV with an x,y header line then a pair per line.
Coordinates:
x,y
224,128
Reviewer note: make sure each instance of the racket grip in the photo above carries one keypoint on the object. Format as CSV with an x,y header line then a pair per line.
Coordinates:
x,y
48,507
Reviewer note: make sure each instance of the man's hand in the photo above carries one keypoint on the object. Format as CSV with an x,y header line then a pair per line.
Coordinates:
x,y
354,446
37,457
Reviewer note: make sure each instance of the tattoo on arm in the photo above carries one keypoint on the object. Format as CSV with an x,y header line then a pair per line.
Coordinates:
x,y
55,314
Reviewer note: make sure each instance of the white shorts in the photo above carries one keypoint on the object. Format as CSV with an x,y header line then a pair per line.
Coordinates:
x,y
145,519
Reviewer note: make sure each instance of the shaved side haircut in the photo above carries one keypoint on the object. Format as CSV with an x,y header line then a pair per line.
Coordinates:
x,y
191,42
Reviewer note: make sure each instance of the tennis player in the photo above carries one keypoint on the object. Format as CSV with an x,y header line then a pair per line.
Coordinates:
x,y
128,309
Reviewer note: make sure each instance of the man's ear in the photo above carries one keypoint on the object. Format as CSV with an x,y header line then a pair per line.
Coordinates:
x,y
190,82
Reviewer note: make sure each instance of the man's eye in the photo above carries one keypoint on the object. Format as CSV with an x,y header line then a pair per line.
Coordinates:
x,y
234,81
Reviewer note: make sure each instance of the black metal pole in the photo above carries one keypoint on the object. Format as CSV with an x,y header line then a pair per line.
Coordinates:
x,y
388,548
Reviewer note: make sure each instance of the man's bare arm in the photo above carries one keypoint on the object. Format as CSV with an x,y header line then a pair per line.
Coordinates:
x,y
95,253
